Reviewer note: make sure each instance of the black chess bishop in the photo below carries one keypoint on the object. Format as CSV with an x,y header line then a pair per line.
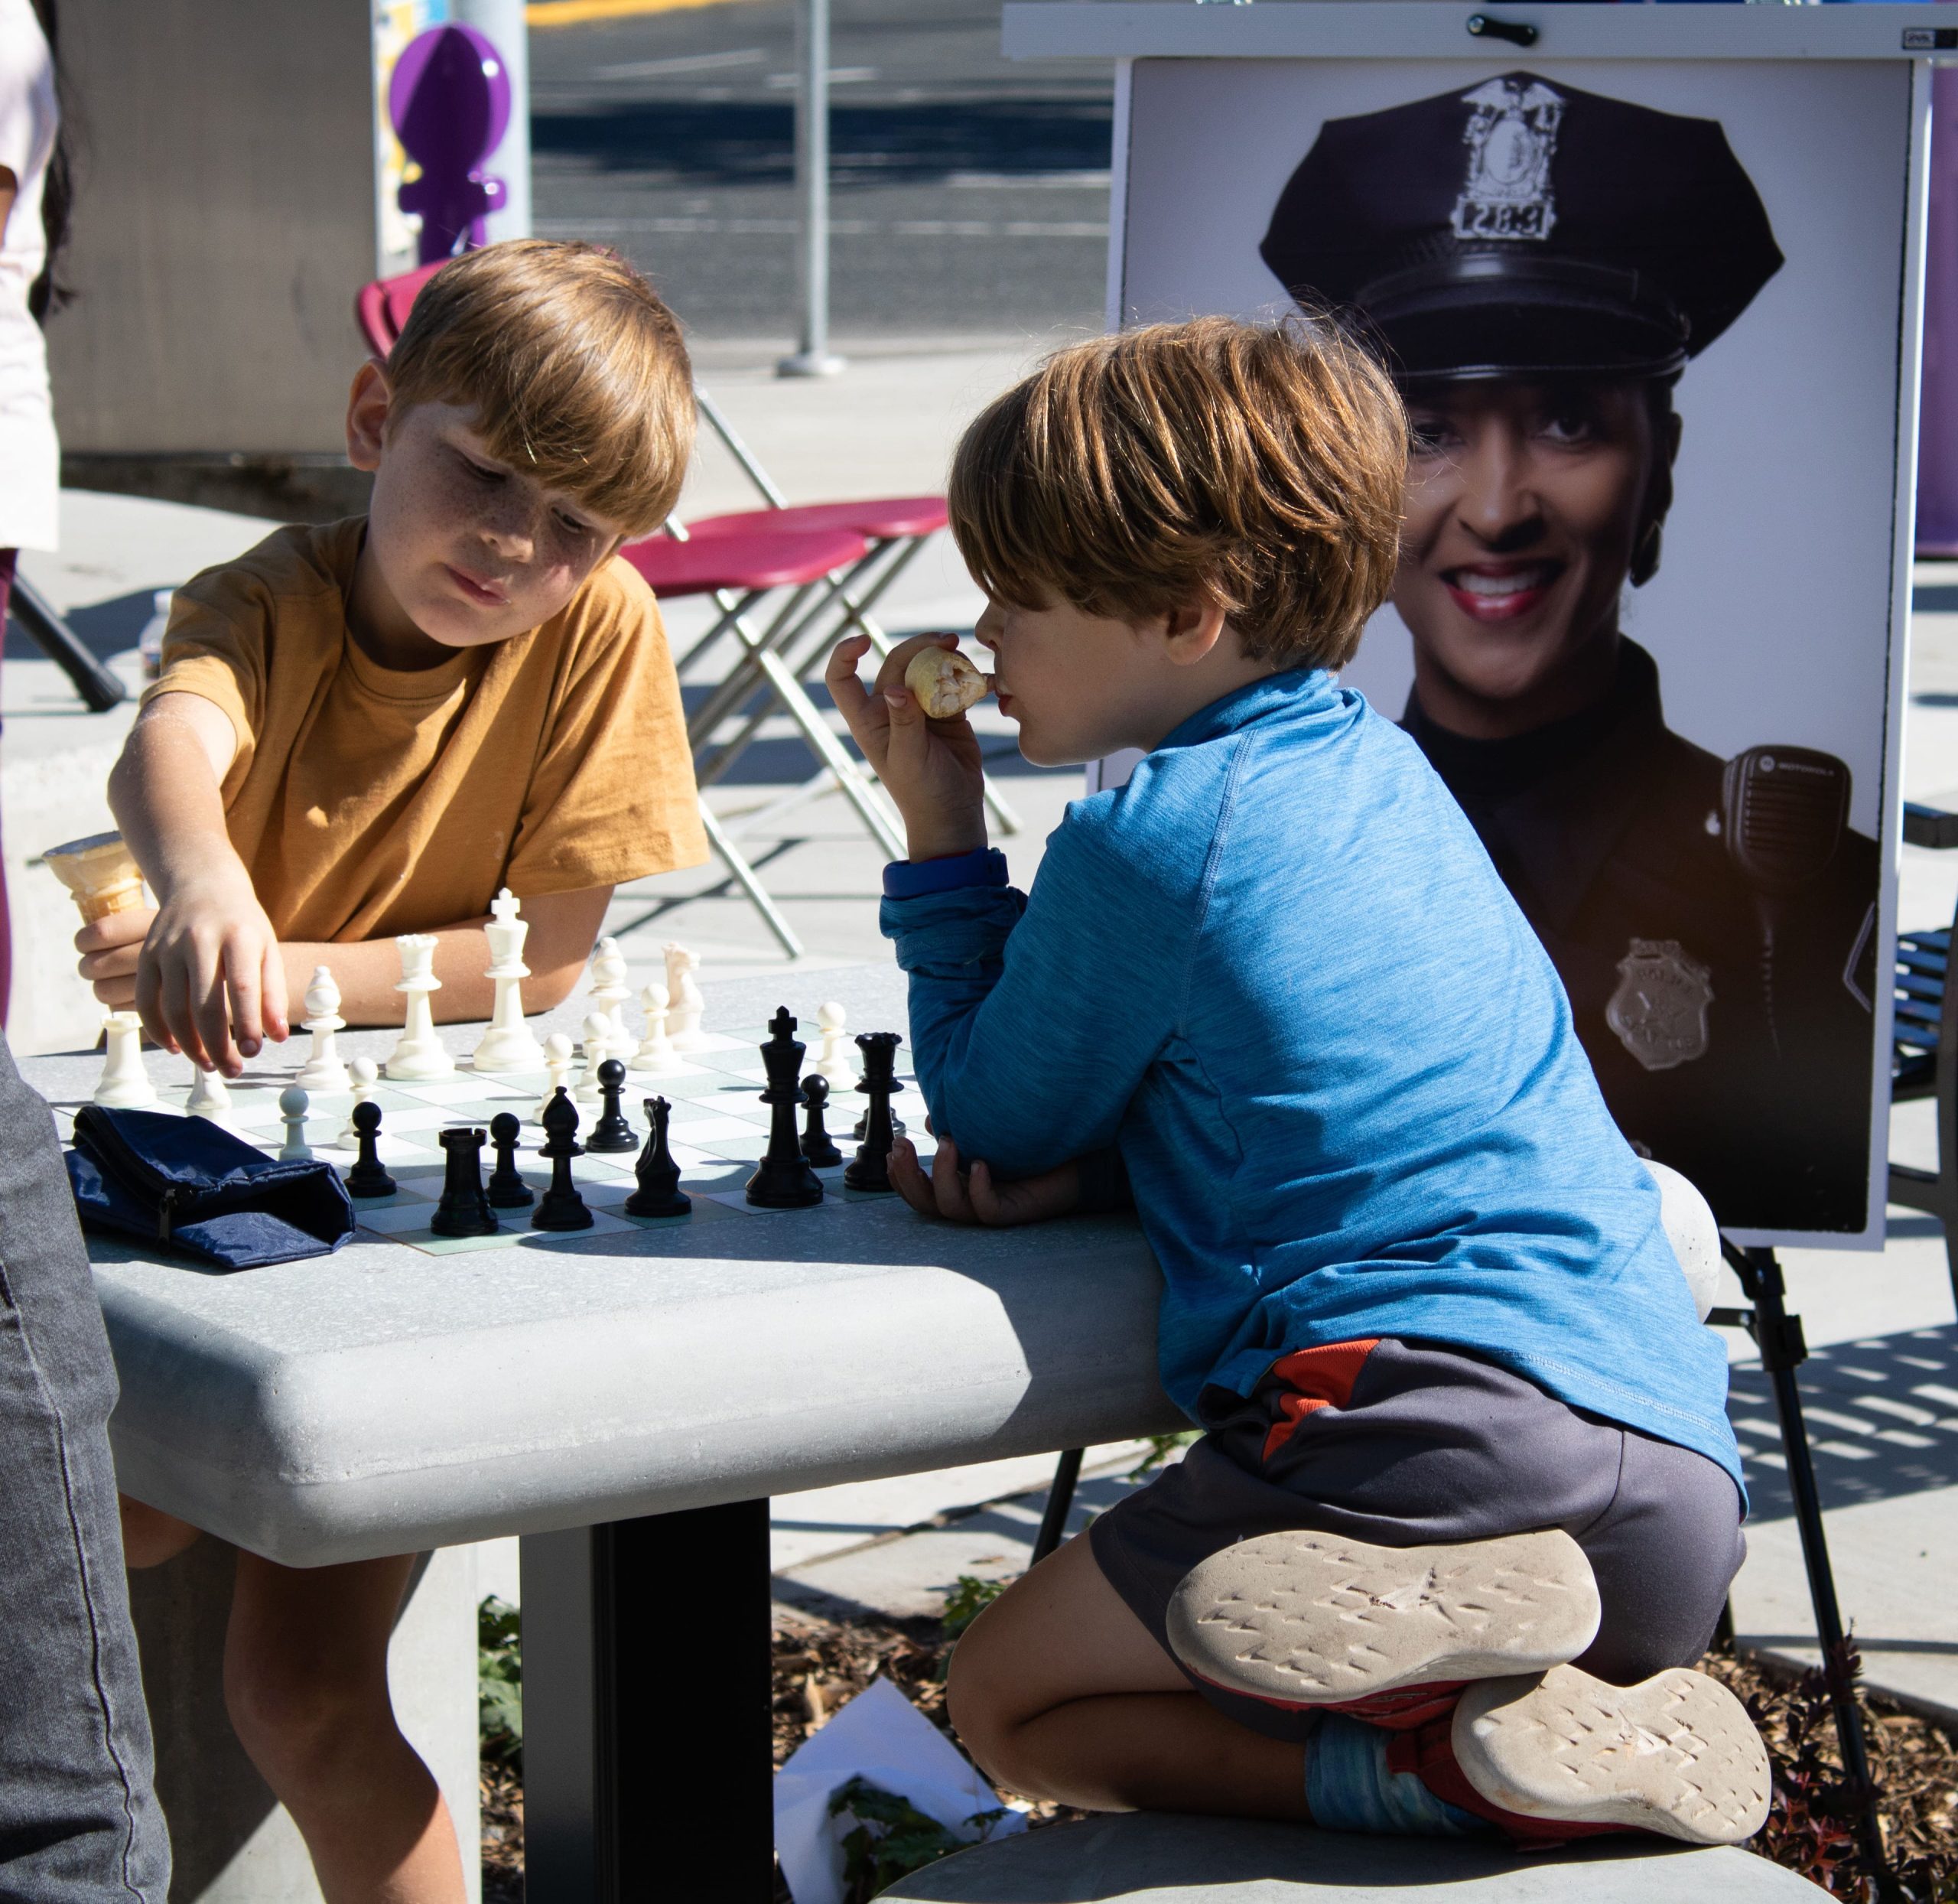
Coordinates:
x,y
561,1207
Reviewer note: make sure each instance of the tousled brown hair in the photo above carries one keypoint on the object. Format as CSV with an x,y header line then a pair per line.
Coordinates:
x,y
577,372
1259,467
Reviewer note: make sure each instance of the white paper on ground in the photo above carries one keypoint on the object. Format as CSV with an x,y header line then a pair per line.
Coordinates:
x,y
879,1736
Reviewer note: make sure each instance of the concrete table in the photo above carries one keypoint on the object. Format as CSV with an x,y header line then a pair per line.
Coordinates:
x,y
626,1404
1151,1858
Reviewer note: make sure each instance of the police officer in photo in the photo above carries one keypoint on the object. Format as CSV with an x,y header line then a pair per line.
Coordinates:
x,y
1538,263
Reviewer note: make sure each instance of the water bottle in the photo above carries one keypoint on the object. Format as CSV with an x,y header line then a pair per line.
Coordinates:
x,y
149,643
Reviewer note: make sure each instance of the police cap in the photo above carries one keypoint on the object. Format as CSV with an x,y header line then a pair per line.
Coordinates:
x,y
1518,227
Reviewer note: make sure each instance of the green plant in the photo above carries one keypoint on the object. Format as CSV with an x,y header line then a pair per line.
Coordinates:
x,y
969,1598
1161,1447
499,1681
892,1837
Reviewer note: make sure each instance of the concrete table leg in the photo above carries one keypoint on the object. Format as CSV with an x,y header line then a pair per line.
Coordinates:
x,y
648,1767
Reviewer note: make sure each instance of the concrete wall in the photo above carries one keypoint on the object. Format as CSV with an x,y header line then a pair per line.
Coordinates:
x,y
225,218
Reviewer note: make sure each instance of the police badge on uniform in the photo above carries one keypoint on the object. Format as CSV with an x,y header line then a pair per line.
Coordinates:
x,y
1659,1011
1512,137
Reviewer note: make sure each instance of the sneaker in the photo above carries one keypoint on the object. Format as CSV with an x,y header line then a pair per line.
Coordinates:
x,y
1676,1754
1304,1619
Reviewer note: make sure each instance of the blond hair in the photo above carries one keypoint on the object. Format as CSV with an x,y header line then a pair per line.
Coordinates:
x,y
1258,466
577,372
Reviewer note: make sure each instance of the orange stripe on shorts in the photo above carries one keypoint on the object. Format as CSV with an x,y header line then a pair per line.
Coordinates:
x,y
1319,1377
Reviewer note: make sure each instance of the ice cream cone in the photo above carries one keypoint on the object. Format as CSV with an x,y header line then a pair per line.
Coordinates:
x,y
100,874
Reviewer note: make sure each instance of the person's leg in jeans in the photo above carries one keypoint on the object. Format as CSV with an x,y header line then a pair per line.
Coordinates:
x,y
78,1819
7,556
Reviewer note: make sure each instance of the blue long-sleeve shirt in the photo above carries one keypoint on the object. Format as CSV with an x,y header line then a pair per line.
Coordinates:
x,y
1278,970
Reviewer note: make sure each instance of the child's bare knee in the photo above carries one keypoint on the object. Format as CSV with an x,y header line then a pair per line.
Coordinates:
x,y
294,1715
150,1537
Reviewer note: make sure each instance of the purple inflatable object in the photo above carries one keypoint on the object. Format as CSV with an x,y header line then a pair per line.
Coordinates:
x,y
449,101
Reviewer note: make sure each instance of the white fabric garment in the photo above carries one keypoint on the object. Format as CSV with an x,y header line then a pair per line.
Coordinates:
x,y
30,454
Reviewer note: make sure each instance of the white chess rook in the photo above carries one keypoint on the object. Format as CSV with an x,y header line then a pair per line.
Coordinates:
x,y
683,992
126,1084
323,1070
507,1045
655,1056
420,1053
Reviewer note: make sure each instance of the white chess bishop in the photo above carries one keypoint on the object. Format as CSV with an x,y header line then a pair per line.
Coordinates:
x,y
126,1084
323,1070
420,1053
507,1045
833,1060
683,993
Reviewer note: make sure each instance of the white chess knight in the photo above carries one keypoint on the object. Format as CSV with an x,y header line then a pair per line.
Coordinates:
x,y
833,1060
608,988
323,1070
683,993
366,1074
507,1045
420,1053
126,1084
209,1097
293,1106
557,1070
655,1056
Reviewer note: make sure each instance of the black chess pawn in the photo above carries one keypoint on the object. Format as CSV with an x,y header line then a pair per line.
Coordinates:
x,y
659,1193
819,1150
612,1132
507,1189
367,1178
783,1180
463,1210
561,1208
870,1168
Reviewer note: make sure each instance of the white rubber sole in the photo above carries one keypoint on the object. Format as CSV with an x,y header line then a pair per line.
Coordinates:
x,y
1310,1620
1675,1754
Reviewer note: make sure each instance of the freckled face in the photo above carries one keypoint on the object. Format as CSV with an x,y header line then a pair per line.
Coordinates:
x,y
1524,506
473,551
1078,685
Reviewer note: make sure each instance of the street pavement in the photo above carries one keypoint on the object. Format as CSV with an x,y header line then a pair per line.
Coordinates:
x,y
970,194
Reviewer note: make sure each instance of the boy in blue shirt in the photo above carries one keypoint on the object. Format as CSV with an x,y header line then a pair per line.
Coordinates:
x,y
1468,1503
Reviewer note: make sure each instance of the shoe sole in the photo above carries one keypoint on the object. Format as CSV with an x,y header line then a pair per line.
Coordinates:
x,y
1676,1753
1301,1619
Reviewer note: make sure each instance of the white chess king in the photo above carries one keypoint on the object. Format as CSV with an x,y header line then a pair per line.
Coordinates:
x,y
420,1053
507,1045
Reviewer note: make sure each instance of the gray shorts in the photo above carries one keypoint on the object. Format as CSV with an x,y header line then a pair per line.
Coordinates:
x,y
1404,1443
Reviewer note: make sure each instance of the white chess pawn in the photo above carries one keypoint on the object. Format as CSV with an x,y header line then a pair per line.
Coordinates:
x,y
597,1049
366,1074
655,1056
323,1070
208,1097
293,1106
833,1060
126,1084
683,992
420,1053
507,1045
608,988
557,1070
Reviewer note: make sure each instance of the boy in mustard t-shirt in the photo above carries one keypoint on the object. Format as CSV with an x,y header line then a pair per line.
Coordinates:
x,y
367,729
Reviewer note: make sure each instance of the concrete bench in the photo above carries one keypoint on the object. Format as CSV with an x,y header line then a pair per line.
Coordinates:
x,y
1164,1860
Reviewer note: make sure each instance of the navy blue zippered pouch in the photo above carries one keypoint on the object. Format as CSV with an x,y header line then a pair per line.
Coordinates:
x,y
186,1184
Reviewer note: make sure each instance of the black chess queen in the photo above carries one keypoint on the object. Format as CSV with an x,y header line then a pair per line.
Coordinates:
x,y
1538,264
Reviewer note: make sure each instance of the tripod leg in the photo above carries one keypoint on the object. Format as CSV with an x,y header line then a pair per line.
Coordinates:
x,y
99,689
1060,1499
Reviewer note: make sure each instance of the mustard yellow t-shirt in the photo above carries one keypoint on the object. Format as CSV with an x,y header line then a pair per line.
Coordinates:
x,y
368,801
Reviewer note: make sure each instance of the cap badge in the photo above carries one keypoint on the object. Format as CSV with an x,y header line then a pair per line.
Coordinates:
x,y
1659,1011
1511,136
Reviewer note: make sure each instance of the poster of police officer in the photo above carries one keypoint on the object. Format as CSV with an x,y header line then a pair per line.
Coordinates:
x,y
1649,329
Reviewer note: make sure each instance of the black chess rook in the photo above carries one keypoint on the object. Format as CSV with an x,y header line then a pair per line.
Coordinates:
x,y
870,1168
463,1210
507,1190
658,1194
819,1151
783,1180
561,1207
612,1132
367,1178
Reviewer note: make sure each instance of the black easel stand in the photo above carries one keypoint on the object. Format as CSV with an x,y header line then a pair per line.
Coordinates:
x,y
99,689
1783,1349
1060,1499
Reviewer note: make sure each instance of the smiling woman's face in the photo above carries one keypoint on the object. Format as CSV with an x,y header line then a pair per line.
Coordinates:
x,y
1526,503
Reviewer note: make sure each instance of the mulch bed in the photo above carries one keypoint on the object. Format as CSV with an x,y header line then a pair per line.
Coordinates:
x,y
819,1663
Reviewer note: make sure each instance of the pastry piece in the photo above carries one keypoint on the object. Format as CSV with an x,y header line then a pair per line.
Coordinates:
x,y
945,683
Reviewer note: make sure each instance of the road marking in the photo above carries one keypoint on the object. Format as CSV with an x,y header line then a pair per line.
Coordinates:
x,y
571,13
838,76
686,62
839,227
1080,181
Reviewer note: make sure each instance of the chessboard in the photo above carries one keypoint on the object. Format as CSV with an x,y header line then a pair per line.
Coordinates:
x,y
717,1131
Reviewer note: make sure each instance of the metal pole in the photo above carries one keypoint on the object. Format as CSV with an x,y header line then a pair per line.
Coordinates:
x,y
504,22
812,357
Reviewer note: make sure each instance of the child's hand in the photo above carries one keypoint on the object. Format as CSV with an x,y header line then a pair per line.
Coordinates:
x,y
210,982
931,768
976,1198
111,949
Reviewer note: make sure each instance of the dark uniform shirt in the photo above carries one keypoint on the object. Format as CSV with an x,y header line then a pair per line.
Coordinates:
x,y
1731,1032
